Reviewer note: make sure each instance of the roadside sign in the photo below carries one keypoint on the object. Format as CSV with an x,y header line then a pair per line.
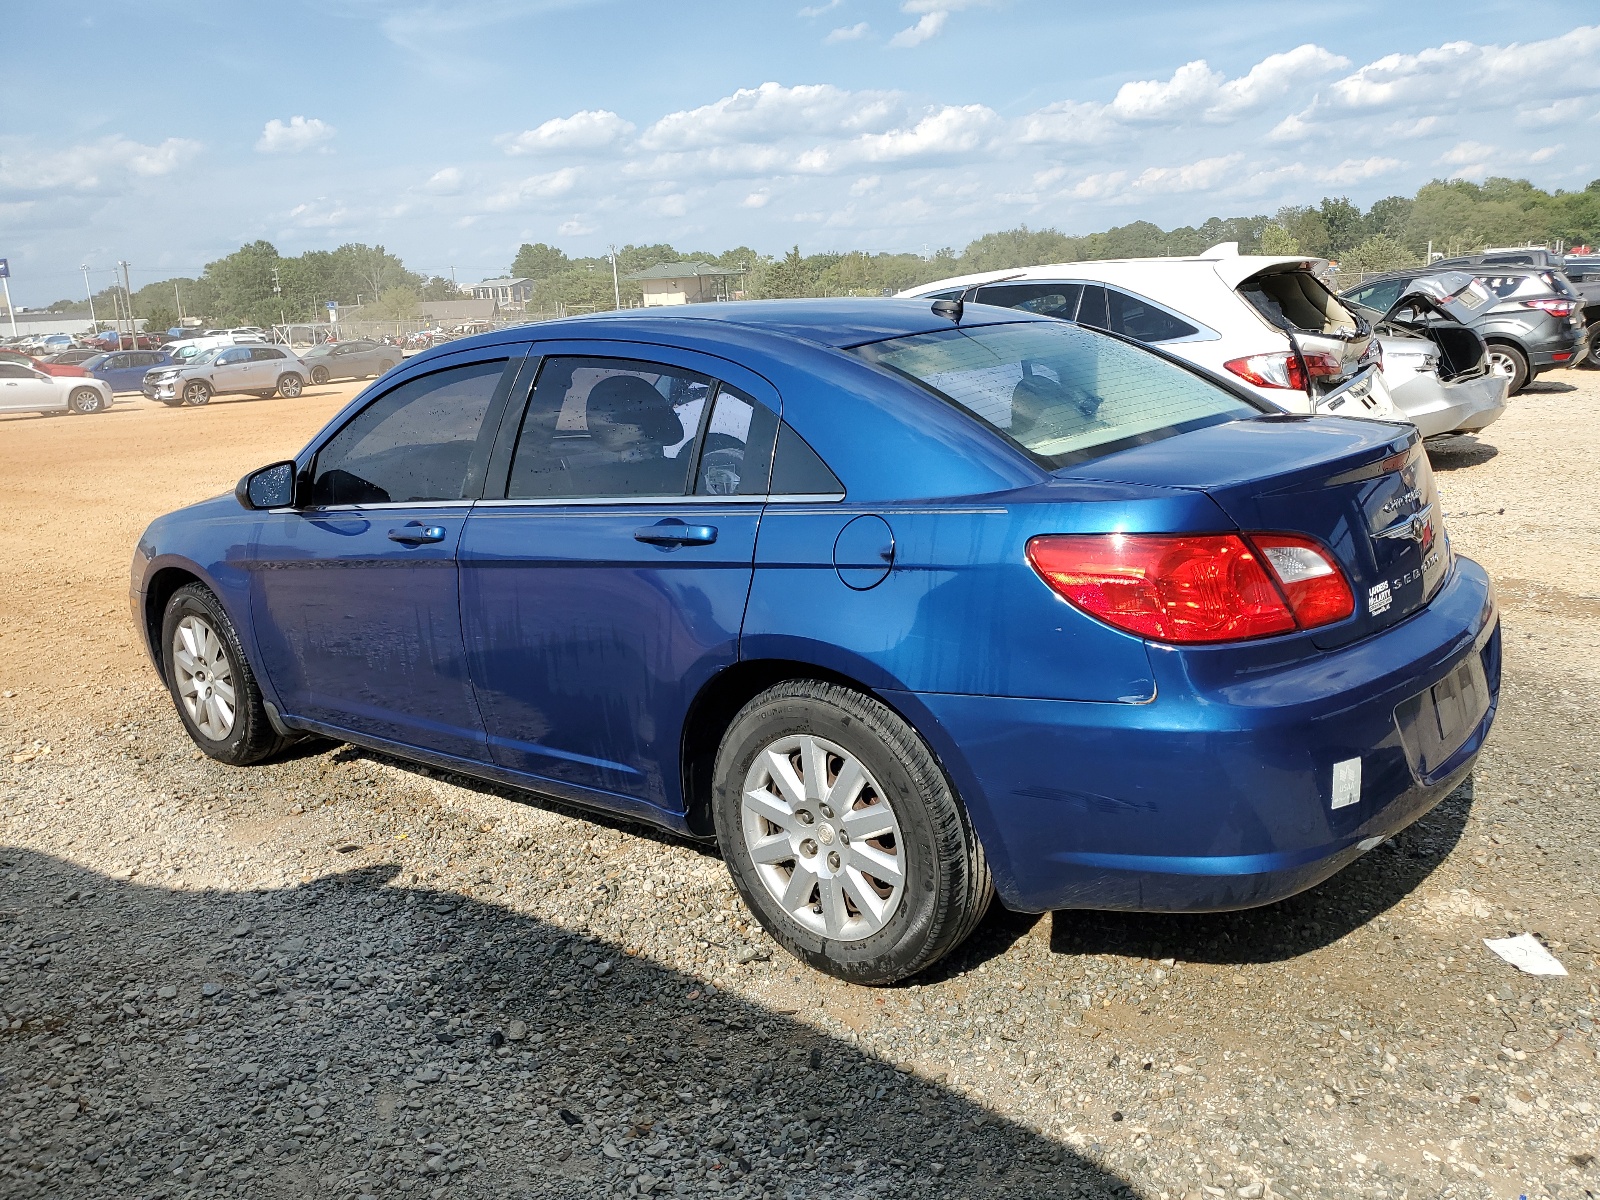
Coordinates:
x,y
5,268
332,304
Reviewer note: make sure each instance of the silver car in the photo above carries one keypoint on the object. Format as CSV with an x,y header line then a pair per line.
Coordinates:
x,y
24,390
255,369
356,359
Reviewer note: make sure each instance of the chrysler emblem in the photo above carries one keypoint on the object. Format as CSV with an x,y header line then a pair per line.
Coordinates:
x,y
1417,527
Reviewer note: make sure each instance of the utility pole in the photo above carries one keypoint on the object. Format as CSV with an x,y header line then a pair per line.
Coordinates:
x,y
178,295
5,283
277,290
89,291
127,291
616,287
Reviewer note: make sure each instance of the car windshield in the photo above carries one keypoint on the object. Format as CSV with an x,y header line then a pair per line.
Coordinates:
x,y
1062,393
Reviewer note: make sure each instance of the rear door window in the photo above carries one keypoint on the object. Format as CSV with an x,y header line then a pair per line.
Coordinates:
x,y
736,455
1048,299
1092,310
598,428
1132,316
416,442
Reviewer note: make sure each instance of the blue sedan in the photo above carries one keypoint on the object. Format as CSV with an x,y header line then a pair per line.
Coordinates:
x,y
905,606
125,370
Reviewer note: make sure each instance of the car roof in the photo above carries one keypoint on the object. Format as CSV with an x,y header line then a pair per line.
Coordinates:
x,y
1220,263
833,323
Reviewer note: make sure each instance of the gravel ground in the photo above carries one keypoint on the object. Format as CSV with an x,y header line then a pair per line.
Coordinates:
x,y
340,975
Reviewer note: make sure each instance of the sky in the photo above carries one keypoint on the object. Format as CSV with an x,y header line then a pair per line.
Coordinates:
x,y
168,134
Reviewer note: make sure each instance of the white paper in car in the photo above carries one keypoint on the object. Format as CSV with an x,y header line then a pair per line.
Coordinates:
x,y
1527,954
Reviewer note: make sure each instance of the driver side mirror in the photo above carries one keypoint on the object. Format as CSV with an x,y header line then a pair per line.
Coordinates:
x,y
267,487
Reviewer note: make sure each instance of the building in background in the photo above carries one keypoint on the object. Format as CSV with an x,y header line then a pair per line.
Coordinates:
x,y
687,283
505,291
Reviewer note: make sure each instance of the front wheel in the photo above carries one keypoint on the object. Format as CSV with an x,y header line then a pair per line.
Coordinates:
x,y
289,386
319,375
843,834
212,685
1593,357
197,393
1509,363
85,401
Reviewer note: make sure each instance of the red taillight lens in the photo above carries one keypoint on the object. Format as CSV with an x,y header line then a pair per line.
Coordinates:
x,y
1194,588
1556,308
1283,370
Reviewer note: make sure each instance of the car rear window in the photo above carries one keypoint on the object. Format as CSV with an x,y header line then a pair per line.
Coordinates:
x,y
1061,392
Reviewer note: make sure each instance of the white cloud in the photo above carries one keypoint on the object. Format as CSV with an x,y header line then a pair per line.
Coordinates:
x,y
297,135
866,185
591,129
848,33
92,165
575,226
928,26
318,214
1201,176
534,188
816,10
772,112
445,182
1562,112
756,199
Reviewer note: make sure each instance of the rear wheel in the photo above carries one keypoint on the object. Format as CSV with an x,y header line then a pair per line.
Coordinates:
x,y
843,835
319,375
1593,357
196,393
85,401
385,366
212,685
1510,363
289,386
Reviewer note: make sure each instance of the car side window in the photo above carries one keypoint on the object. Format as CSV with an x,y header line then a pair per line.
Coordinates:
x,y
263,355
414,443
1132,316
1092,308
231,357
736,456
608,427
116,362
1047,299
14,371
797,469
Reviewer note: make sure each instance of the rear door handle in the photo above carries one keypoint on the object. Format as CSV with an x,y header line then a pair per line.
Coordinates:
x,y
416,533
673,532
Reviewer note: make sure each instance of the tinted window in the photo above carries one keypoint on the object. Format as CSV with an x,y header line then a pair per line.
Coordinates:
x,y
1092,309
14,371
598,427
1380,297
414,443
1059,391
736,456
229,357
797,471
1509,259
264,355
1143,321
1046,299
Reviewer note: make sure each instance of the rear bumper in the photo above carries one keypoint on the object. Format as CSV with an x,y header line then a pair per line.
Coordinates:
x,y
1562,349
1212,797
1435,407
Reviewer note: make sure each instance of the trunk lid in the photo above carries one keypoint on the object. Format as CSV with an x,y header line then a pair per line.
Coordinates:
x,y
1364,489
1440,308
1288,296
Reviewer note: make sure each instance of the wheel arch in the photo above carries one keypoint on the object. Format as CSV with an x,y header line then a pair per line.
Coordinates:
x,y
722,696
158,589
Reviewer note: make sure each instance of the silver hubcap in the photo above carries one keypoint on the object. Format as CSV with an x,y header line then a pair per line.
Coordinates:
x,y
205,677
824,840
1501,364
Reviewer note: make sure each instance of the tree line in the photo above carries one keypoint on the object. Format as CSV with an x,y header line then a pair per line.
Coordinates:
x,y
1449,217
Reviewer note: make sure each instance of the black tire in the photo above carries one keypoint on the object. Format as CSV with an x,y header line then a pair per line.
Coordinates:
x,y
251,737
197,393
85,401
385,367
946,888
1513,362
289,386
319,375
1593,357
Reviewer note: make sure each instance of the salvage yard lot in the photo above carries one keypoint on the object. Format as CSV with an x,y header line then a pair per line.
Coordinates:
x,y
341,975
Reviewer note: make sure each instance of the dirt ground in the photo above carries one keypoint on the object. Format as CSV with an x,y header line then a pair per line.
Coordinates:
x,y
1356,1040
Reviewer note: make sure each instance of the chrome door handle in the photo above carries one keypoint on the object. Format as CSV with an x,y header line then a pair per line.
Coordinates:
x,y
673,532
416,534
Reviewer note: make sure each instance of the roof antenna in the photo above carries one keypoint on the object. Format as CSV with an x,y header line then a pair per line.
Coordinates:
x,y
949,308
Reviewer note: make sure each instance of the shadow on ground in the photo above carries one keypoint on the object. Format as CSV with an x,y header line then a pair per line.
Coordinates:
x,y
351,1038
1315,918
1456,453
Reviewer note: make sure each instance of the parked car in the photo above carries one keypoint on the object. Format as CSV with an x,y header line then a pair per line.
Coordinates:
x,y
1435,364
70,358
1266,321
1583,272
1532,327
901,603
355,359
125,370
112,340
189,348
259,370
63,370
24,389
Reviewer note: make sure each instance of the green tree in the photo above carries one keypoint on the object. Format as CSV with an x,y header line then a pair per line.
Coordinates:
x,y
537,261
1380,252
1275,239
397,303
787,277
1344,222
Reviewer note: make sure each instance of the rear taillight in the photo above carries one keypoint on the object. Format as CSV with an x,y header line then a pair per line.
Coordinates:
x,y
1283,370
1556,308
1195,588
